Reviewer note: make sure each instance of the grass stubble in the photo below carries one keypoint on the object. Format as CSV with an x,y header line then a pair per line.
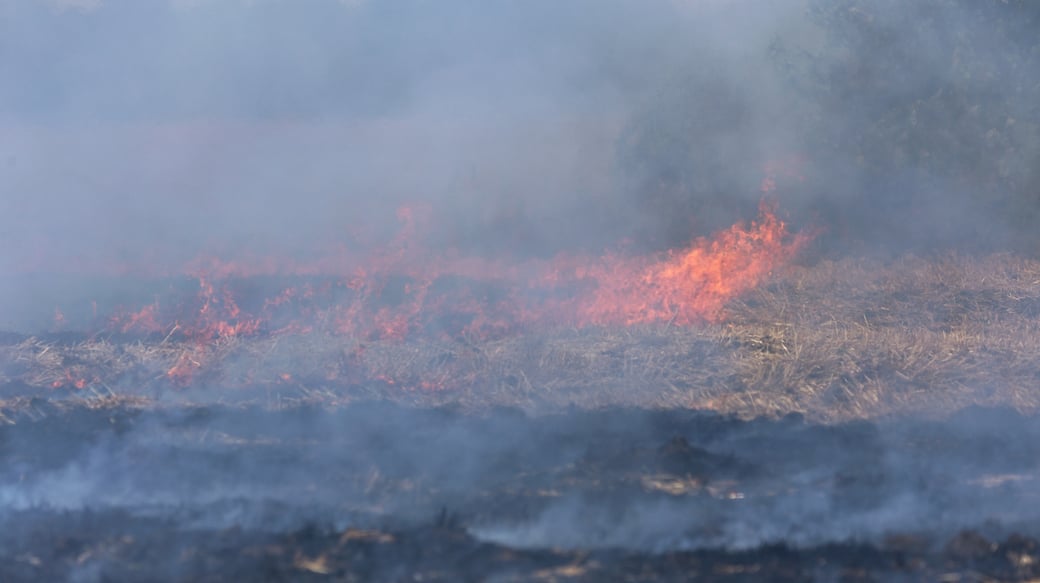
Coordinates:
x,y
840,339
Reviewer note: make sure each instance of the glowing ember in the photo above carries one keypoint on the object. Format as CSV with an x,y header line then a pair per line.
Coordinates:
x,y
689,285
70,380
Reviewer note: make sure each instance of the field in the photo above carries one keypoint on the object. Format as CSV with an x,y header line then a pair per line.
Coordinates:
x,y
838,340
600,290
853,419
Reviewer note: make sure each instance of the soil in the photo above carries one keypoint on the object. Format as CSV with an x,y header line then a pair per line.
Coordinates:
x,y
376,491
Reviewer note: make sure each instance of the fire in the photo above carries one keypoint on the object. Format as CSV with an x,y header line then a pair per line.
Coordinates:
x,y
70,380
189,361
145,319
405,290
687,286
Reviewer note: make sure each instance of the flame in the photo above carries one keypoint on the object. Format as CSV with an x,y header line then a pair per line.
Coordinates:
x,y
687,286
404,290
144,320
188,362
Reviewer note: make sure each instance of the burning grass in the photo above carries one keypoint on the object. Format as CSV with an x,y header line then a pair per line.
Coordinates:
x,y
853,338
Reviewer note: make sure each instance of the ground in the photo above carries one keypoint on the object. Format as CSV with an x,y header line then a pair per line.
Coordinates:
x,y
846,420
381,492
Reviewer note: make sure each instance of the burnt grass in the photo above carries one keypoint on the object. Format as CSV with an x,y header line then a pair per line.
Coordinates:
x,y
383,492
848,420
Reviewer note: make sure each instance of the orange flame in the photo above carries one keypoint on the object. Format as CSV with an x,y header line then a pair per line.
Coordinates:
x,y
687,286
403,290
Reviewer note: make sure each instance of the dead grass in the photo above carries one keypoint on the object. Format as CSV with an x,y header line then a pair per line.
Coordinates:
x,y
841,339
862,339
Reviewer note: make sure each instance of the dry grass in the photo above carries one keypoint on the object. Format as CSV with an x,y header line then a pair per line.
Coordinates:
x,y
862,339
838,340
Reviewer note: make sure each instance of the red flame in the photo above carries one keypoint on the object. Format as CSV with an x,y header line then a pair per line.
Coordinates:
x,y
404,290
686,286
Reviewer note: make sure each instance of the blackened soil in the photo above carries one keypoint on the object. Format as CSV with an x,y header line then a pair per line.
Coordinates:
x,y
378,492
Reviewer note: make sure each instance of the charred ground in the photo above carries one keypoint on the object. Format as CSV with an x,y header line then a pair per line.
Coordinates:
x,y
850,419
380,492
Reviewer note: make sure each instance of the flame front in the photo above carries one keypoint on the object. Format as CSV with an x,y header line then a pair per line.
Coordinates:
x,y
689,285
405,290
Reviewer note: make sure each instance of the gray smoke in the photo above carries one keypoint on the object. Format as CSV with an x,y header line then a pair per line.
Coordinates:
x,y
158,131
151,132
752,483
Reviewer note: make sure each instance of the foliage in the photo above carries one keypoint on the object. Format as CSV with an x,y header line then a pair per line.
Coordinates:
x,y
942,94
920,121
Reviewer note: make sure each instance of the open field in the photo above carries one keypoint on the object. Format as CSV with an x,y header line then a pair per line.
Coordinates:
x,y
460,291
847,420
381,492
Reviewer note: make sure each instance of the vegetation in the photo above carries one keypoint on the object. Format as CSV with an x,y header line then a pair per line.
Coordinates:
x,y
920,123
853,338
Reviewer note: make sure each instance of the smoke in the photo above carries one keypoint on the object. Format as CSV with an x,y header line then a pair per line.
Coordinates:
x,y
163,130
180,128
749,483
812,487
169,129
148,133
926,117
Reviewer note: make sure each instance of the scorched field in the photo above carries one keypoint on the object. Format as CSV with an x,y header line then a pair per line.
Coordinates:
x,y
726,411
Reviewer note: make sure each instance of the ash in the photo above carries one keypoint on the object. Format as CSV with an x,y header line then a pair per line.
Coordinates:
x,y
384,492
